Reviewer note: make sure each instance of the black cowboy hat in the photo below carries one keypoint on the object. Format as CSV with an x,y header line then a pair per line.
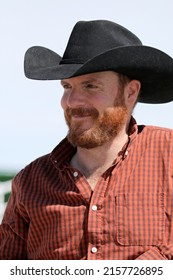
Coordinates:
x,y
103,45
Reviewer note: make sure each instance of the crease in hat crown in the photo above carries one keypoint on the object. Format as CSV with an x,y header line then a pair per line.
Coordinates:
x,y
97,37
102,45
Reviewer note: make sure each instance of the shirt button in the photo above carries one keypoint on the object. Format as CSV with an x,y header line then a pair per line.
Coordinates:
x,y
75,174
94,250
94,207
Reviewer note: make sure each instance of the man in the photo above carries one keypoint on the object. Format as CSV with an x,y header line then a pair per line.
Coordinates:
x,y
106,191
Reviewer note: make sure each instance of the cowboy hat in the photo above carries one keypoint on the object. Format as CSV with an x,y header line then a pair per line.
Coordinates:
x,y
102,45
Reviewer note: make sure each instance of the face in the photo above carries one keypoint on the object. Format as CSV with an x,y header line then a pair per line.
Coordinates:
x,y
94,108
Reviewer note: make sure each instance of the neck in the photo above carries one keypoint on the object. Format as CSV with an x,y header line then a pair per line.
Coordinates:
x,y
99,159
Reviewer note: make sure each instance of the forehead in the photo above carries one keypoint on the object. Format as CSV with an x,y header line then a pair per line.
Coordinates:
x,y
97,77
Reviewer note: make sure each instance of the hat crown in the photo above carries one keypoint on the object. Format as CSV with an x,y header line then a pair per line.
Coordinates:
x,y
90,38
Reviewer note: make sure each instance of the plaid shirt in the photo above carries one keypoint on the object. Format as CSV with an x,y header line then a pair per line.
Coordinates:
x,y
53,213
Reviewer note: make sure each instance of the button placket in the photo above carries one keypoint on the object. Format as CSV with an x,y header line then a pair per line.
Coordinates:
x,y
94,227
95,219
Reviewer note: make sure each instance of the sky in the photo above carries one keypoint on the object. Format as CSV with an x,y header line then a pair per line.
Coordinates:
x,y
31,118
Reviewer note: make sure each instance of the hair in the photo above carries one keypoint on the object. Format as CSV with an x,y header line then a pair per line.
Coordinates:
x,y
124,80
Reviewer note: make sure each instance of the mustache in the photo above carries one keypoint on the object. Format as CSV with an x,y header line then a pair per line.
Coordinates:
x,y
81,112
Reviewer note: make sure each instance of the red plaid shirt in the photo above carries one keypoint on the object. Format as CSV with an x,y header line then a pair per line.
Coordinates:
x,y
53,213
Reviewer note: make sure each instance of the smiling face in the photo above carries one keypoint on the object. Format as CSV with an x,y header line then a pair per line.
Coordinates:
x,y
94,107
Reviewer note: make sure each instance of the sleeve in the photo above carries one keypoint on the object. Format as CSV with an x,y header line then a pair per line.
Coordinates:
x,y
154,254
14,228
165,251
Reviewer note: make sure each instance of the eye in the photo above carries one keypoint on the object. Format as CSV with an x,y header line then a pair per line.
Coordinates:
x,y
66,85
91,86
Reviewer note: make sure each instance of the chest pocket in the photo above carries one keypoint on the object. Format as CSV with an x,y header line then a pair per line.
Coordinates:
x,y
140,218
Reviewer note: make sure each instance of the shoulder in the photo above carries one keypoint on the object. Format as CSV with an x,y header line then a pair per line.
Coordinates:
x,y
33,170
155,136
156,130
43,168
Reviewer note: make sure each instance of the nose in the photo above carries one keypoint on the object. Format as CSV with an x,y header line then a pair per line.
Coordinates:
x,y
73,98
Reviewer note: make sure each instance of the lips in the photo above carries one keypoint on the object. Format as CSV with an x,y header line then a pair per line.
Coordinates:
x,y
80,115
81,112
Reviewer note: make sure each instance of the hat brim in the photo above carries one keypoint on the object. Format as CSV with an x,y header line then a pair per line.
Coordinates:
x,y
152,67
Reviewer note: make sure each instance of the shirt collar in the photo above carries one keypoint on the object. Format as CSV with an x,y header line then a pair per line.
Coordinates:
x,y
62,153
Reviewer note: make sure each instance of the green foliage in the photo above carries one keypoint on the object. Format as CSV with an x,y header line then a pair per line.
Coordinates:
x,y
6,176
6,196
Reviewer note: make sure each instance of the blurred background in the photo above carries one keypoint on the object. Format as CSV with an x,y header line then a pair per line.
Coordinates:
x,y
31,119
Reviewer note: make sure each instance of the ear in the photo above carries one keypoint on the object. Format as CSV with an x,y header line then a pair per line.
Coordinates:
x,y
132,90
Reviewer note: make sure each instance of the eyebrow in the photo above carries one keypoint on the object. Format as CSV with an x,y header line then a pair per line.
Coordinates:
x,y
84,82
92,81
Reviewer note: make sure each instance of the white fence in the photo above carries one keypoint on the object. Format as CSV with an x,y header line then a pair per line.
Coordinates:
x,y
5,189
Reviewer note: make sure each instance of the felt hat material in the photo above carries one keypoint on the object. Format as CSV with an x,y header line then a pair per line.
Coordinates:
x,y
102,45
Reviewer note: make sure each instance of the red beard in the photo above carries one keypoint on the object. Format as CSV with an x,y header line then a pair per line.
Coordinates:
x,y
105,127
